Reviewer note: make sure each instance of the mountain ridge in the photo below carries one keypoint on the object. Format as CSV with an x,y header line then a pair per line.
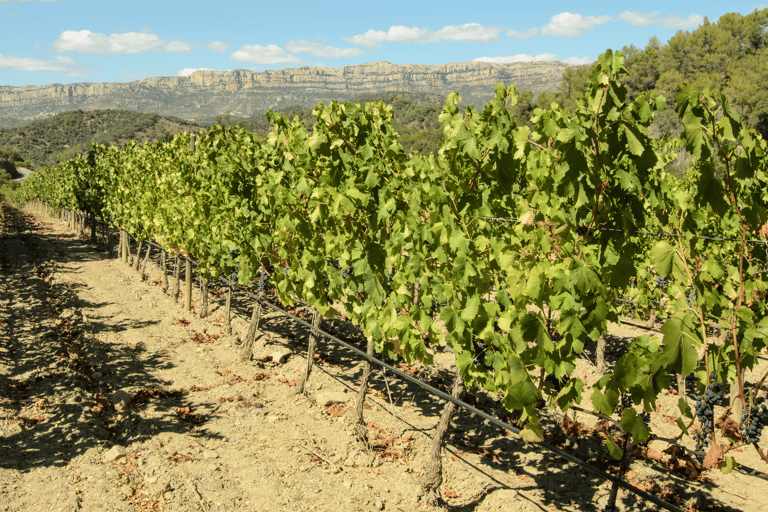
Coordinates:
x,y
242,92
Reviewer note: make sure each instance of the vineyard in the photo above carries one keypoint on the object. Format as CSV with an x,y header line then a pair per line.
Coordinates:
x,y
513,251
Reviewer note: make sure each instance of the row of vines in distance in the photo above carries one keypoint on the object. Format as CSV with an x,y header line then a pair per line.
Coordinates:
x,y
340,214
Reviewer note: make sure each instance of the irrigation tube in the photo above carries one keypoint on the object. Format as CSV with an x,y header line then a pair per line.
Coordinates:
x,y
460,403
445,396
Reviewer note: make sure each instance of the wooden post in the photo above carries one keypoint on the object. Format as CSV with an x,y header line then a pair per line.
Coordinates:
x,y
228,312
360,428
600,354
316,322
175,289
127,248
203,297
138,255
128,254
250,337
164,260
188,286
144,265
108,233
652,320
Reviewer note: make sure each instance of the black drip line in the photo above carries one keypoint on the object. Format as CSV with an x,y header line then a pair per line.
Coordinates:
x,y
445,396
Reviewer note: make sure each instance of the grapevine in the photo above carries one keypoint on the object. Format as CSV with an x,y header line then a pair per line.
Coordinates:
x,y
405,245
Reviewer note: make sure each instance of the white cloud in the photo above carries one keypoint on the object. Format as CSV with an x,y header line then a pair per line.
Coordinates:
x,y
470,32
178,47
65,60
514,34
400,34
189,71
673,21
578,61
85,41
218,46
270,54
316,49
59,64
571,25
520,57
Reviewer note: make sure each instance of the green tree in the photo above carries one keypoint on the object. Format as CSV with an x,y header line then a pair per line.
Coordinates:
x,y
644,67
574,85
523,110
748,90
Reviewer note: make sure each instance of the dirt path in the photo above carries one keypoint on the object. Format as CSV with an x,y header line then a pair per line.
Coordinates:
x,y
113,398
23,173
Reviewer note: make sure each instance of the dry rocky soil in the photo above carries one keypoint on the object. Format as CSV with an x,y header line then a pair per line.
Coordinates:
x,y
114,398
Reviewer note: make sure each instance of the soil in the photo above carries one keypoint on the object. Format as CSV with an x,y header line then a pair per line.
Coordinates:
x,y
114,398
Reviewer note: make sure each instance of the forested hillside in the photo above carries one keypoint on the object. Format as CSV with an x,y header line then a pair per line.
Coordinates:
x,y
727,56
61,137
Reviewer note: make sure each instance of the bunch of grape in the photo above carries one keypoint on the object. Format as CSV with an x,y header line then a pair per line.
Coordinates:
x,y
263,278
479,350
752,422
706,414
233,274
690,298
661,282
388,286
435,309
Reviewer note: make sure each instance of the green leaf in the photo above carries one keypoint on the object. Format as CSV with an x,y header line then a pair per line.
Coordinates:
x,y
470,310
631,422
727,465
613,448
680,341
662,257
532,433
605,403
633,141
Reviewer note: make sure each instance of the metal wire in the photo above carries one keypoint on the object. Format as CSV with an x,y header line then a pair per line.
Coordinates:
x,y
445,396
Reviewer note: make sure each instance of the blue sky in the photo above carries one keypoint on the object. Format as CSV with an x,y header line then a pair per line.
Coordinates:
x,y
68,41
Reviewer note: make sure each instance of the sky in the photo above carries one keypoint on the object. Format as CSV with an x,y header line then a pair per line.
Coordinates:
x,y
69,41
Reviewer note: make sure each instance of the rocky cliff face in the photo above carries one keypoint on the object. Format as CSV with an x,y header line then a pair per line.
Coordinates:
x,y
243,92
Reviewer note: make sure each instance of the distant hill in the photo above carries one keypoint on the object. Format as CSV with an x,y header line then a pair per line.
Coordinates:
x,y
12,122
61,137
205,94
